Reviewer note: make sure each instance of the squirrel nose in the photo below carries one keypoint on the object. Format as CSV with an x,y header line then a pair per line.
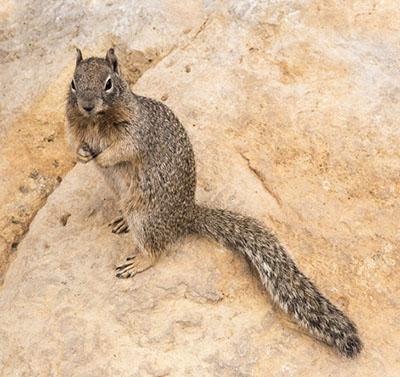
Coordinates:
x,y
88,108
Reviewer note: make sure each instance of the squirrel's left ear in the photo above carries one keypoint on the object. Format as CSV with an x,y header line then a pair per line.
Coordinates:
x,y
78,56
112,60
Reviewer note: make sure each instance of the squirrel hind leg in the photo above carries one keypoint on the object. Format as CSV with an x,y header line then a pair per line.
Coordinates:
x,y
136,264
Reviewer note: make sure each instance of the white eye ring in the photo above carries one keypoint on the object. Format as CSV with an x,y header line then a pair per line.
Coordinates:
x,y
108,87
73,87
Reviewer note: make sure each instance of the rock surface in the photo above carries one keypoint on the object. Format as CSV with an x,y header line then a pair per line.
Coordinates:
x,y
292,109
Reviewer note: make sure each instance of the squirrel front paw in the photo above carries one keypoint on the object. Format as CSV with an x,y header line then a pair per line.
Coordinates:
x,y
84,154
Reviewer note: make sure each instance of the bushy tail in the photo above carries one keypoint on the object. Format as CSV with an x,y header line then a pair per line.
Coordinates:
x,y
293,291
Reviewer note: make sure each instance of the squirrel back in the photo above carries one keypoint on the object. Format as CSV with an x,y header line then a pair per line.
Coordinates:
x,y
146,156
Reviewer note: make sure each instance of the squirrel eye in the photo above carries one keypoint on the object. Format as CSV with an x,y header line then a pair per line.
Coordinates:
x,y
73,85
108,85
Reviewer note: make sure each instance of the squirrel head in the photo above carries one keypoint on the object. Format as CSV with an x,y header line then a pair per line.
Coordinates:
x,y
97,85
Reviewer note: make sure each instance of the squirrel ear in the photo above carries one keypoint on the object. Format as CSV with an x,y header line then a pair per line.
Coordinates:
x,y
112,60
78,56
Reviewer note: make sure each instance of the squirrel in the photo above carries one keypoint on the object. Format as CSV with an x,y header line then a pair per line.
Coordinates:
x,y
146,157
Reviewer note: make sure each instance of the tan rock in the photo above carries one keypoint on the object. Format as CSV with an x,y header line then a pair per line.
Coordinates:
x,y
293,112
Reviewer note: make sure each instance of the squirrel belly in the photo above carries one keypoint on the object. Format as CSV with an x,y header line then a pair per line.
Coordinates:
x,y
146,156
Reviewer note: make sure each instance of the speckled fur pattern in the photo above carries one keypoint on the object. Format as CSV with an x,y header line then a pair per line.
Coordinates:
x,y
289,288
146,157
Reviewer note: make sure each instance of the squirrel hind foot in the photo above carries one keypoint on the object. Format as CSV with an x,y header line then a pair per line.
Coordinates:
x,y
119,225
138,263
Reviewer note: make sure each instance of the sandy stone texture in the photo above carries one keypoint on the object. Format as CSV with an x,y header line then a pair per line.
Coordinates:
x,y
293,109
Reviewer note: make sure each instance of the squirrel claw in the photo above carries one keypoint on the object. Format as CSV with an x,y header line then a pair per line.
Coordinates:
x,y
139,263
119,225
83,154
121,276
119,268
